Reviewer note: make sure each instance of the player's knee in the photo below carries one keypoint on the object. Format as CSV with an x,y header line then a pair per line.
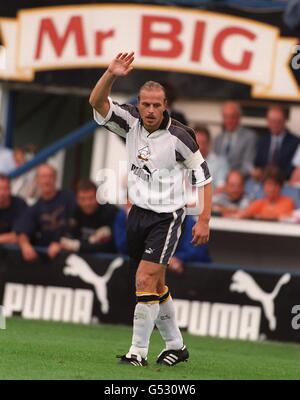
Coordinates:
x,y
146,282
160,287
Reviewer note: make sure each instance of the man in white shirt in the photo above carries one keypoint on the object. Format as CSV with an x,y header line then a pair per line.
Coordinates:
x,y
160,150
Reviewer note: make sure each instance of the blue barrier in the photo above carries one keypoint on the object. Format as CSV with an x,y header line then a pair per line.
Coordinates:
x,y
67,141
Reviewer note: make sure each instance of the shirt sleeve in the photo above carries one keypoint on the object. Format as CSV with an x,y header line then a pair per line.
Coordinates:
x,y
119,119
198,169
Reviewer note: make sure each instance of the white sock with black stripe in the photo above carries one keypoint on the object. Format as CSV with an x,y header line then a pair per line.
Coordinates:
x,y
145,315
166,323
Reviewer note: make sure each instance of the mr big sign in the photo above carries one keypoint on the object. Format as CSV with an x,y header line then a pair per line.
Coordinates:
x,y
163,38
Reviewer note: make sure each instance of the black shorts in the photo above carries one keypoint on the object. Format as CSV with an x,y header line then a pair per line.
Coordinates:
x,y
153,236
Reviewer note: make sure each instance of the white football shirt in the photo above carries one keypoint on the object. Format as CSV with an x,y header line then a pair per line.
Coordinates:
x,y
158,162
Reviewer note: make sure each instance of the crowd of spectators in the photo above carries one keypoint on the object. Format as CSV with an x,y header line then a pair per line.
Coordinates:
x,y
60,220
253,177
262,179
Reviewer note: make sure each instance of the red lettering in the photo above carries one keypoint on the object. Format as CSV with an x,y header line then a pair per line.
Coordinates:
x,y
74,27
99,39
148,34
198,41
218,44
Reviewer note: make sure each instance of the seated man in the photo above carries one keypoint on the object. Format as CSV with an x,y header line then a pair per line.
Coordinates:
x,y
277,147
233,199
218,165
91,223
235,142
48,219
274,205
11,210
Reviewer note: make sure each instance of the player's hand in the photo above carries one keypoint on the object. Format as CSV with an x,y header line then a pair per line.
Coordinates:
x,y
53,249
28,252
121,65
200,233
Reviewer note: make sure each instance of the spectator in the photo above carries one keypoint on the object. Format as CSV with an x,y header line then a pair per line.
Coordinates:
x,y
7,162
48,219
218,165
274,205
11,210
24,185
92,223
278,147
233,199
236,143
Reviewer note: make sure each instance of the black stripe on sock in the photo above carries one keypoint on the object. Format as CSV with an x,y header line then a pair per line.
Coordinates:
x,y
164,296
147,298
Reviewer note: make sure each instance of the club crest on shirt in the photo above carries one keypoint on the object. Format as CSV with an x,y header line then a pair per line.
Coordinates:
x,y
144,153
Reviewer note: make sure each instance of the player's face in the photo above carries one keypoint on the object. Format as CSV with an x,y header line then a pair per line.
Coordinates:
x,y
87,201
152,104
272,189
4,193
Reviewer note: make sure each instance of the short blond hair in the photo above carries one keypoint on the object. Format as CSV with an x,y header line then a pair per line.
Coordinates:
x,y
152,85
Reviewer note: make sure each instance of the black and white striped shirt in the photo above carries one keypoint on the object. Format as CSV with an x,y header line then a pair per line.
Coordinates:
x,y
157,162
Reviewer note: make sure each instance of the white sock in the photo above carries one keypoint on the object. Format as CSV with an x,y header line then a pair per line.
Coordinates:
x,y
168,328
143,324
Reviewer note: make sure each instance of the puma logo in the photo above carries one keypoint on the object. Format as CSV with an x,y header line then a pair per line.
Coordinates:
x,y
242,282
77,266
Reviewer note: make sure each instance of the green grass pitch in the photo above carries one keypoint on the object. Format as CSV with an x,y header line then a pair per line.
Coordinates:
x,y
52,350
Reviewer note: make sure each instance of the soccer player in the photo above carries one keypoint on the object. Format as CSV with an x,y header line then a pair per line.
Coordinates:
x,y
159,149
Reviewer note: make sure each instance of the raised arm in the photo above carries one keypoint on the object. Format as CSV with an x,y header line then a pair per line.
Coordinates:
x,y
120,66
